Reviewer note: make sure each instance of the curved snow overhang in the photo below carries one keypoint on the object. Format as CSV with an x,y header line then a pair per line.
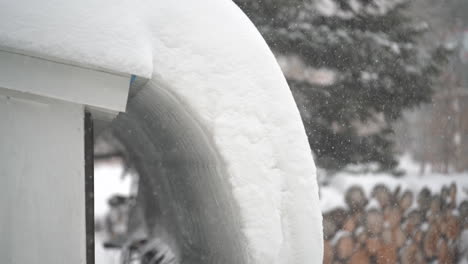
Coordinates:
x,y
183,183
216,63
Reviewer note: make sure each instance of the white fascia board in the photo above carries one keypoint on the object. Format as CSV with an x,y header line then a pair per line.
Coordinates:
x,y
59,80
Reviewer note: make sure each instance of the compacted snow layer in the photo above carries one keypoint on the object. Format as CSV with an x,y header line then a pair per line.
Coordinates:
x,y
210,58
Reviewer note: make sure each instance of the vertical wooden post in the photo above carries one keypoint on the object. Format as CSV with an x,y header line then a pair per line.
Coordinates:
x,y
89,186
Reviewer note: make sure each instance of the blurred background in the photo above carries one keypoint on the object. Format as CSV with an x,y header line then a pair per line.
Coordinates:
x,y
382,88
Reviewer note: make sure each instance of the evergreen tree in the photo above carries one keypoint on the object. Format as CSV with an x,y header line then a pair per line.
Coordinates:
x,y
380,70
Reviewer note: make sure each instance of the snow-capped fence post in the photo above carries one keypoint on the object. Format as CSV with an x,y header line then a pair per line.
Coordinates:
x,y
43,103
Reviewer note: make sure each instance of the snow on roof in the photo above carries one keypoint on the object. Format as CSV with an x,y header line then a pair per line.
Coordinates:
x,y
211,57
102,34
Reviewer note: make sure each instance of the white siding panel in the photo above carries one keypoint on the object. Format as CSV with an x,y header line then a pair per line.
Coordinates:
x,y
42,216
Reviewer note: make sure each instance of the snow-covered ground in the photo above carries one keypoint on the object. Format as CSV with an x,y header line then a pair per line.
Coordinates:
x,y
332,192
108,181
104,256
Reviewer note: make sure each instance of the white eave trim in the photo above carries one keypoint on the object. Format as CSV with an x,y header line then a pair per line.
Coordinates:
x,y
58,80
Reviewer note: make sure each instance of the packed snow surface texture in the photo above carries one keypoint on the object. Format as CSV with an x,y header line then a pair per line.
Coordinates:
x,y
215,60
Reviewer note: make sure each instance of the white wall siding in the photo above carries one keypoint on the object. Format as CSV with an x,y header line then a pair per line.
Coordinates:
x,y
42,214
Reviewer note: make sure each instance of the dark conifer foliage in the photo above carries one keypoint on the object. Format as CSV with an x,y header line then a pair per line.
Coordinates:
x,y
374,48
